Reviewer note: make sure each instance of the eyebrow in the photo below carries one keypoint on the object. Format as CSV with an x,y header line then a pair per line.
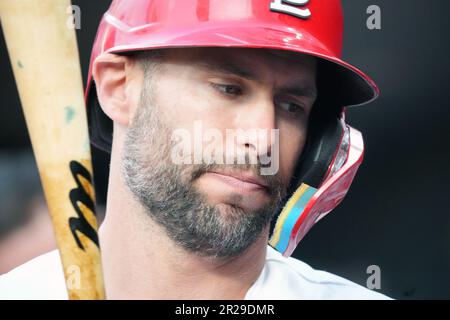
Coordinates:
x,y
227,67
306,91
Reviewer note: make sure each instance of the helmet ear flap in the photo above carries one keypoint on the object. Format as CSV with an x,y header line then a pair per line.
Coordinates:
x,y
324,137
325,133
100,125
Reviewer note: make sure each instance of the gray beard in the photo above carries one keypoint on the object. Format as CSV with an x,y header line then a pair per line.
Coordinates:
x,y
166,192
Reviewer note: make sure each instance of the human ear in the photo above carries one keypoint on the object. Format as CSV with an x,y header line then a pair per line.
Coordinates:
x,y
113,78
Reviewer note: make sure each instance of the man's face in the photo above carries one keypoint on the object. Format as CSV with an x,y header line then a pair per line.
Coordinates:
x,y
218,208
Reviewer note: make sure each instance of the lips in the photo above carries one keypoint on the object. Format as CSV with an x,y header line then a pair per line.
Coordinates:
x,y
247,179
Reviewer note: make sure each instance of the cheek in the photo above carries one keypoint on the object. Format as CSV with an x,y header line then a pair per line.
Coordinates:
x,y
184,104
292,142
198,125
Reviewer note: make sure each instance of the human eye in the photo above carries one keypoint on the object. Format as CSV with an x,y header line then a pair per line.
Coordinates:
x,y
291,107
228,89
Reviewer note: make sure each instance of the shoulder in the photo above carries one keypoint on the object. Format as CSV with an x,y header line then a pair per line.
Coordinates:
x,y
40,278
289,278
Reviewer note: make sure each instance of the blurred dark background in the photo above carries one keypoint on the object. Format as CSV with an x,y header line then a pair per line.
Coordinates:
x,y
395,215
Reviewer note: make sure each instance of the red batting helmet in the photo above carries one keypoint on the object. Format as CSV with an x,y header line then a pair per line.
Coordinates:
x,y
333,151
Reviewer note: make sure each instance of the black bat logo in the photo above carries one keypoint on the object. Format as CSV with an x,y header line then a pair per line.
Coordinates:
x,y
80,194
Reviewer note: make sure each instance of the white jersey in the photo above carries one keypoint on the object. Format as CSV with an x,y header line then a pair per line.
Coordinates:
x,y
281,278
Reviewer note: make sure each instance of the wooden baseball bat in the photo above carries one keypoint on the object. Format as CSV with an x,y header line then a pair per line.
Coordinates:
x,y
44,56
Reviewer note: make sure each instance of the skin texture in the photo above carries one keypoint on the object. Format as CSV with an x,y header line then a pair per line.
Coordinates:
x,y
150,249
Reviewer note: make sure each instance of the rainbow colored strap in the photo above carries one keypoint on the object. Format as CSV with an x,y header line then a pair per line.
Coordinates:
x,y
290,214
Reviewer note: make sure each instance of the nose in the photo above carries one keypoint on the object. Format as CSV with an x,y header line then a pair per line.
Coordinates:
x,y
256,124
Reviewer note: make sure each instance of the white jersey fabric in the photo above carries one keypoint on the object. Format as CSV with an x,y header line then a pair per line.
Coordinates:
x,y
281,278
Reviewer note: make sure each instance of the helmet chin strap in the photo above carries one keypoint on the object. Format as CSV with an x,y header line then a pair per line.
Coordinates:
x,y
309,204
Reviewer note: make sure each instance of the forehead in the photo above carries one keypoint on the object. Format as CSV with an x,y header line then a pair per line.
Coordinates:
x,y
284,62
